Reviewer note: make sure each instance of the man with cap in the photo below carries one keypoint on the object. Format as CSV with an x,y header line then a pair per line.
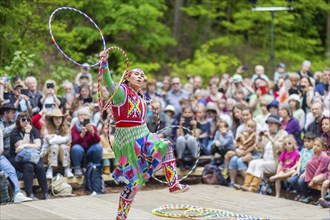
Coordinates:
x,y
19,100
7,112
279,72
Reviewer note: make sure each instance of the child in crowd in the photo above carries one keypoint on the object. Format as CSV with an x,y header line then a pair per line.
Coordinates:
x,y
297,180
224,145
108,164
325,186
246,141
287,161
317,167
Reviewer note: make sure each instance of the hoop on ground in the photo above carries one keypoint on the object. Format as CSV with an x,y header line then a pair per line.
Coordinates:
x,y
58,47
196,162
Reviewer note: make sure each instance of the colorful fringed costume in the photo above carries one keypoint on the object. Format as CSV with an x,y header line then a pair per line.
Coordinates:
x,y
139,152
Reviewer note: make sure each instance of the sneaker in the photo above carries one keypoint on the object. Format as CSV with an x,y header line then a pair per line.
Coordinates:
x,y
20,197
324,203
237,186
33,197
93,194
78,172
46,196
68,173
49,173
306,200
231,185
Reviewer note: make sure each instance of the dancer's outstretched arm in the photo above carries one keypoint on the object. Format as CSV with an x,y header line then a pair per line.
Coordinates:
x,y
120,95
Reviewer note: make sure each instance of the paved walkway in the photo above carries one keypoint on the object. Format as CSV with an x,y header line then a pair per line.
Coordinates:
x,y
105,206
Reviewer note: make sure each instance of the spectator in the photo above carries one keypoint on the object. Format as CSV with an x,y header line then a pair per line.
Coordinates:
x,y
215,95
50,99
279,72
236,115
307,93
290,124
170,112
152,93
8,169
34,94
325,186
323,83
294,79
174,96
162,124
7,125
272,107
235,83
85,142
84,77
166,87
20,101
317,111
325,131
261,93
270,144
298,113
56,143
259,73
287,161
246,116
317,167
239,97
198,83
305,69
69,96
297,180
230,103
84,98
25,136
185,139
261,119
205,127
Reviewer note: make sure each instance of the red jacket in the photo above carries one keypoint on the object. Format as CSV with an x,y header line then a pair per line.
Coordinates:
x,y
87,140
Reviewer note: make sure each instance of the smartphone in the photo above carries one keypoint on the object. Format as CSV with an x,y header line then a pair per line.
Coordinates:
x,y
88,100
263,90
25,92
187,121
86,122
50,85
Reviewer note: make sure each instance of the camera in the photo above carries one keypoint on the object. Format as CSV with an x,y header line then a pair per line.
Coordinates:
x,y
49,105
50,85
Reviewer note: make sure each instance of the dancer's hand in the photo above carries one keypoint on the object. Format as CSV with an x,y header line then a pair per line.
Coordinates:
x,y
104,55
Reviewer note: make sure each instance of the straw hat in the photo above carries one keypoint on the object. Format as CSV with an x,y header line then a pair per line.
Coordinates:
x,y
56,112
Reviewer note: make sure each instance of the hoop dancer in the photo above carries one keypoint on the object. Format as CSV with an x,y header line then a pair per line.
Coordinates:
x,y
139,152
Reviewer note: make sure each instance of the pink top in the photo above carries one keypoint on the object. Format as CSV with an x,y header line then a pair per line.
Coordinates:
x,y
289,159
318,165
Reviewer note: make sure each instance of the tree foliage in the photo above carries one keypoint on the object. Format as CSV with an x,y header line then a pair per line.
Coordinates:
x,y
215,36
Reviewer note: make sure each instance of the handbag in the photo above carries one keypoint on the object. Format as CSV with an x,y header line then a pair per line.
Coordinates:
x,y
28,155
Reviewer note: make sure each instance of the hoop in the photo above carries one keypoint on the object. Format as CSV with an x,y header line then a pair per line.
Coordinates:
x,y
58,47
196,162
163,211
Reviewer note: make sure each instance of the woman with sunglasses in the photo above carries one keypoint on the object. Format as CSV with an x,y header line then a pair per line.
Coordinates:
x,y
139,153
25,136
287,163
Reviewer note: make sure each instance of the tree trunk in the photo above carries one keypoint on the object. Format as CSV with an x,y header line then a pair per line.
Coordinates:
x,y
176,25
327,43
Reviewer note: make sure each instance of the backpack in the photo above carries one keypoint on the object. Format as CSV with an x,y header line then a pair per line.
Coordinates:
x,y
212,175
6,192
93,181
265,188
60,187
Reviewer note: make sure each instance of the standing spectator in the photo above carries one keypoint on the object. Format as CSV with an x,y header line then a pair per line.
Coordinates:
x,y
279,72
34,94
298,113
297,180
85,141
271,145
7,125
25,136
305,69
56,144
174,96
20,101
259,73
317,111
84,77
9,170
290,124
287,160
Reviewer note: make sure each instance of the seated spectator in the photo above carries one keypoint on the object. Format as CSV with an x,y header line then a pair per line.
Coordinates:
x,y
240,99
230,103
166,87
270,144
297,180
294,87
56,143
25,136
261,92
84,98
236,115
50,99
85,142
246,116
222,144
287,162
290,124
317,111
298,113
7,125
108,164
69,96
307,93
8,168
325,132
185,139
151,92
272,107
317,167
38,120
215,95
33,93
205,127
19,100
174,96
324,197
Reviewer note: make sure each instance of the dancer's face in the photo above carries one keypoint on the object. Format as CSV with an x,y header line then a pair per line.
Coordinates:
x,y
136,80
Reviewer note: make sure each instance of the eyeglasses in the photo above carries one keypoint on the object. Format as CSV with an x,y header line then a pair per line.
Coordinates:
x,y
25,119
